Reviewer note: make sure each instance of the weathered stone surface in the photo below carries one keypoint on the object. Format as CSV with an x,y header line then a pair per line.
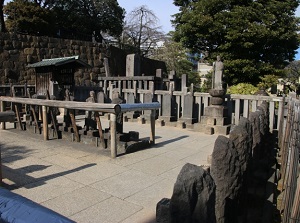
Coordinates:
x,y
217,92
255,123
163,211
216,111
241,137
19,50
216,100
226,172
193,198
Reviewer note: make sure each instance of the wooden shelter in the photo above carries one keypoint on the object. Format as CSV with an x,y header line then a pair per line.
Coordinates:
x,y
56,73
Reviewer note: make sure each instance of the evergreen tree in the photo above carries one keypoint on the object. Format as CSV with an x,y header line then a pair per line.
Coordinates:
x,y
48,17
29,18
254,37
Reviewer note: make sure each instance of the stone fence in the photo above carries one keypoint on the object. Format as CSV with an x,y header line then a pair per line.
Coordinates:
x,y
232,189
181,108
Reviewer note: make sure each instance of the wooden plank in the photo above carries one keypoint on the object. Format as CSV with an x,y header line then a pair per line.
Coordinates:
x,y
18,117
113,135
53,119
33,111
2,109
152,126
45,123
100,129
72,116
87,106
271,115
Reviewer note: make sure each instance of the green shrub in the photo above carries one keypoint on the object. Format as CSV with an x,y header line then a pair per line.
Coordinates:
x,y
242,88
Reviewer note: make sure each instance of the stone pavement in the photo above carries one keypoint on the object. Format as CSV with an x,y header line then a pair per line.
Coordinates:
x,y
84,184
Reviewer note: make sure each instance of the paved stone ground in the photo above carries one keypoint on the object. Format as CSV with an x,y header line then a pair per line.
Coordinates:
x,y
84,184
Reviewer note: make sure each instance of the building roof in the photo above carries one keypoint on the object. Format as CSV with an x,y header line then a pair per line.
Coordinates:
x,y
59,62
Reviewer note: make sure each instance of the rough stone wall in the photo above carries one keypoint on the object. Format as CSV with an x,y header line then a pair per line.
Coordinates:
x,y
232,170
17,51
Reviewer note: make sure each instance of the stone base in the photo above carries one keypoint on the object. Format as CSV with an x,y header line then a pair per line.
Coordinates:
x,y
167,118
180,124
216,111
207,120
187,120
159,122
130,116
212,129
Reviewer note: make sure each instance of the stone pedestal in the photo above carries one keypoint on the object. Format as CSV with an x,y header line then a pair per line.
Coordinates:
x,y
215,120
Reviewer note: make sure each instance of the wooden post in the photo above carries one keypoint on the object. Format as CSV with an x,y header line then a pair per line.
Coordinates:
x,y
18,117
3,126
72,116
100,129
33,111
53,119
113,135
152,123
45,123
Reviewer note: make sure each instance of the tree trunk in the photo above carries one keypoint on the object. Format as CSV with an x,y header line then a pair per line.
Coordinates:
x,y
2,23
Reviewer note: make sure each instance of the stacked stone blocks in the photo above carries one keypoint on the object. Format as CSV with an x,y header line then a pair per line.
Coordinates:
x,y
225,183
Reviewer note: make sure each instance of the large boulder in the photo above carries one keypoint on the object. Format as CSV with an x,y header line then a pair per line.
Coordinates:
x,y
193,198
226,172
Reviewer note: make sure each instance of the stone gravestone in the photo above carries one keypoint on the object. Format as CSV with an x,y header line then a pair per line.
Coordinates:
x,y
167,106
133,65
130,100
101,97
187,113
148,98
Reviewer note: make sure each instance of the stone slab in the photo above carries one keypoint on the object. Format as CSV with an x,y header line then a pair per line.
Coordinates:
x,y
216,111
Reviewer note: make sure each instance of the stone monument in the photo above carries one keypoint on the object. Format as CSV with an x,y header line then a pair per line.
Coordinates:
x,y
215,119
90,123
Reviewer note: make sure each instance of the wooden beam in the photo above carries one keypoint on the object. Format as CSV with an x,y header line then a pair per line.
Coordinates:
x,y
152,125
113,135
72,116
2,109
53,119
87,106
33,111
45,123
100,129
18,117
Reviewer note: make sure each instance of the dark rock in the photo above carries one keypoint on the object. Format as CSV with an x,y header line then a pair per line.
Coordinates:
x,y
226,172
193,198
163,211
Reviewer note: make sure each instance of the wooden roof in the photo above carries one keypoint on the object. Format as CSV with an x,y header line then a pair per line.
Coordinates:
x,y
61,61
